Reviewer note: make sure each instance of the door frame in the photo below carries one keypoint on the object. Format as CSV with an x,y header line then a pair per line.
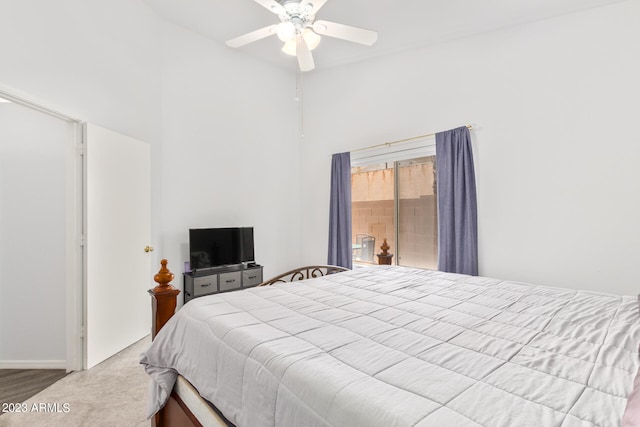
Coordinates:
x,y
74,225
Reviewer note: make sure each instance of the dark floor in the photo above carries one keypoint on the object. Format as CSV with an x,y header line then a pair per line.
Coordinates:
x,y
17,385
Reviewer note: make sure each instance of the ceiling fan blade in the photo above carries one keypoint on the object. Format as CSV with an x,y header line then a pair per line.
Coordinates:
x,y
305,59
272,6
345,32
252,36
314,4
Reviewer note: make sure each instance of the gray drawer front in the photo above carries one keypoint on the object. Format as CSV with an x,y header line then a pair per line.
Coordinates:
x,y
251,277
229,281
205,285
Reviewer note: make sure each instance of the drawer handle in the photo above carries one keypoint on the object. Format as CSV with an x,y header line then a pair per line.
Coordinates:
x,y
230,281
205,285
252,277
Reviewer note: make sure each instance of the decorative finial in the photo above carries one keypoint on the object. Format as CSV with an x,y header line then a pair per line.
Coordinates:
x,y
385,247
164,276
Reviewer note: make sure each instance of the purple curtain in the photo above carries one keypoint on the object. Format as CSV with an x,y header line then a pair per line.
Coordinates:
x,y
340,211
457,204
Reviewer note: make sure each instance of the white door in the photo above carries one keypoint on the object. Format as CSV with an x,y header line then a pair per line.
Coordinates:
x,y
117,268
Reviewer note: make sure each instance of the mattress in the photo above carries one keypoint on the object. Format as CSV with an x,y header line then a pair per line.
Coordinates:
x,y
396,346
200,408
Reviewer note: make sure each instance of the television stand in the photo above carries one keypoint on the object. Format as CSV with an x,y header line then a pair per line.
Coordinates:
x,y
226,278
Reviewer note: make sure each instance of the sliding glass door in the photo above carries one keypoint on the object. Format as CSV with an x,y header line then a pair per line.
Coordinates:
x,y
395,201
417,213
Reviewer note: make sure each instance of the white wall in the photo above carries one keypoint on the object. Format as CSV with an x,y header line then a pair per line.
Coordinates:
x,y
230,151
555,104
33,288
96,60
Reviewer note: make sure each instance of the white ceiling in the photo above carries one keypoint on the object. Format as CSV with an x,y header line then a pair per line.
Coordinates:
x,y
400,24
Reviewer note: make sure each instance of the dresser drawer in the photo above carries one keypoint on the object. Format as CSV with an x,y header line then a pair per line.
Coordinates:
x,y
229,281
251,277
205,285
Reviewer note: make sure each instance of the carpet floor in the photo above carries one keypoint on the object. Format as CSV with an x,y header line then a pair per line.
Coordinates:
x,y
112,393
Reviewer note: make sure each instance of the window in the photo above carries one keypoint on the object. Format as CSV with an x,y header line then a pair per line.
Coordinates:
x,y
395,200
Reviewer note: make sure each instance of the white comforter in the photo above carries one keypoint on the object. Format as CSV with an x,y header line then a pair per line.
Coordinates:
x,y
394,346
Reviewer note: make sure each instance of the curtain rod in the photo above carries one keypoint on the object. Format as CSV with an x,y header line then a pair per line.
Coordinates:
x,y
389,144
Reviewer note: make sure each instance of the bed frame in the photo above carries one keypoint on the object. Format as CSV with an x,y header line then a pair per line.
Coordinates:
x,y
175,413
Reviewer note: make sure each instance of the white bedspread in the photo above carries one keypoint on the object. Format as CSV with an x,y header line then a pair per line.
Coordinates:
x,y
394,346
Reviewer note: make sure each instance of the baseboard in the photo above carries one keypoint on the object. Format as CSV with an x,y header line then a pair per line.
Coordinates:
x,y
33,364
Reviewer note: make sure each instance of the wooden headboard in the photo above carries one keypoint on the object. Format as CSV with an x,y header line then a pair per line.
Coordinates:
x,y
164,298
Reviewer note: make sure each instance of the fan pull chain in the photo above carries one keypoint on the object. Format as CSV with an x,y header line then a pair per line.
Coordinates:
x,y
300,101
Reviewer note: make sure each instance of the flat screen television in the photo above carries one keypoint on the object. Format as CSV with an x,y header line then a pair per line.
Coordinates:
x,y
246,244
215,247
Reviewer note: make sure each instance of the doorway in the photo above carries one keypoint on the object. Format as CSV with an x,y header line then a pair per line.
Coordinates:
x,y
40,221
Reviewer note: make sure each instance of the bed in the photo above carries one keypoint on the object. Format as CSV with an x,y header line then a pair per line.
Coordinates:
x,y
397,346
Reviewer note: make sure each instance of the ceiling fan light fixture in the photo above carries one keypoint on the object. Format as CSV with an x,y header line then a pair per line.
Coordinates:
x,y
286,31
300,32
290,47
310,38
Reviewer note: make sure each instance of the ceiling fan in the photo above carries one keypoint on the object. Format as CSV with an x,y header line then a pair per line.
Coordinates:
x,y
299,32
